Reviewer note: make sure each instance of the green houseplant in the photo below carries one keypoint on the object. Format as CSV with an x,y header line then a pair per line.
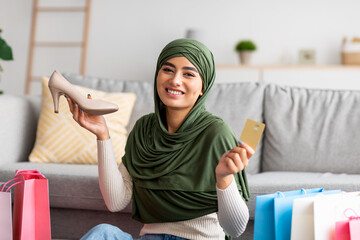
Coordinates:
x,y
245,49
5,53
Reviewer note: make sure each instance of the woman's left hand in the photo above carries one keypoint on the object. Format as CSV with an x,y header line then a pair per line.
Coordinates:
x,y
231,162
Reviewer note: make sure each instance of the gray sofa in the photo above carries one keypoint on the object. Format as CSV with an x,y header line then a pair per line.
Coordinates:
x,y
311,139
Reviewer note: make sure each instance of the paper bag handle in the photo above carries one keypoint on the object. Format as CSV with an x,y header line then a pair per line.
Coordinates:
x,y
18,181
8,189
281,194
303,190
351,217
28,172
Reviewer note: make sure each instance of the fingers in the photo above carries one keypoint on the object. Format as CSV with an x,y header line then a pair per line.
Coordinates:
x,y
71,104
237,160
76,112
249,150
81,116
243,152
74,109
238,157
234,165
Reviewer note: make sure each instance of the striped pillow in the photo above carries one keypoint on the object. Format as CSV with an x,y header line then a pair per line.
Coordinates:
x,y
59,139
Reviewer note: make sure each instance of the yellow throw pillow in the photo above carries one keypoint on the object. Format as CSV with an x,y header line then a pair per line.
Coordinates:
x,y
59,139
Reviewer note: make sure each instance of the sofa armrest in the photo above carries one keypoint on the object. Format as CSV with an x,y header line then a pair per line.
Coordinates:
x,y
18,120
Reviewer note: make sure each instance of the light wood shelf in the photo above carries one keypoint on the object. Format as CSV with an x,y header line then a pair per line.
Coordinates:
x,y
58,44
262,70
289,67
61,9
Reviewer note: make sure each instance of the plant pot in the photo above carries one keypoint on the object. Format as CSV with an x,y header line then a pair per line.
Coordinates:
x,y
245,57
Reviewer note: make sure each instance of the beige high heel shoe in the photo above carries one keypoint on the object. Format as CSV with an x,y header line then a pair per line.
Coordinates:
x,y
58,86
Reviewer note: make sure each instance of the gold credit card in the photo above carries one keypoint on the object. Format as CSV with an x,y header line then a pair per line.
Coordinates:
x,y
252,132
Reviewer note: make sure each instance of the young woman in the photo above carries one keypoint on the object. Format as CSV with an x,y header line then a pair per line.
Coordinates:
x,y
183,167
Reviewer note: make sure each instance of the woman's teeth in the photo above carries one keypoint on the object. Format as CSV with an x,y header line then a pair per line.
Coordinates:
x,y
174,92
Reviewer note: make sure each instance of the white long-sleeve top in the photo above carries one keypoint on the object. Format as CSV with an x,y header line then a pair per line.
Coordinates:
x,y
116,189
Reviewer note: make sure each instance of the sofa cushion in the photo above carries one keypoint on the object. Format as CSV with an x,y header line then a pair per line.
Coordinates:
x,y
271,182
18,119
60,139
235,102
311,130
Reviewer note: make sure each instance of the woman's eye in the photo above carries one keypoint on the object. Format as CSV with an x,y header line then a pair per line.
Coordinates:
x,y
189,75
167,70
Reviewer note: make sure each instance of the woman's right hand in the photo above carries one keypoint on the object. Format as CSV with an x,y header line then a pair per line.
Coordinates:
x,y
94,123
231,162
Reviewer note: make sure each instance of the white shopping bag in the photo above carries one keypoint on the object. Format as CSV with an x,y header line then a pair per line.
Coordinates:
x,y
302,222
6,229
329,209
5,216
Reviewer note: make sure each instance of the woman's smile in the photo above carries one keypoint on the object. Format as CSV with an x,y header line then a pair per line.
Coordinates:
x,y
175,92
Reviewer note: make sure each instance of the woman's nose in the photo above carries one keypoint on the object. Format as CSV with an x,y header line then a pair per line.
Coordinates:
x,y
176,80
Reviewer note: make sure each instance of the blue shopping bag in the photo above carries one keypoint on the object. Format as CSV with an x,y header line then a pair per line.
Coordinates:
x,y
273,213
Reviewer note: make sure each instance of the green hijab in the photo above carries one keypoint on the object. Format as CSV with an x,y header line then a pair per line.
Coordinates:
x,y
174,173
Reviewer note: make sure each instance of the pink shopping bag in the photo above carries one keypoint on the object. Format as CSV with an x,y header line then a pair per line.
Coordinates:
x,y
349,229
354,226
31,207
342,231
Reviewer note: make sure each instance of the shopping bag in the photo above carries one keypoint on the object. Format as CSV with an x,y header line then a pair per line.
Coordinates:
x,y
302,219
5,210
264,223
283,212
31,215
270,213
342,231
5,216
330,209
349,229
354,226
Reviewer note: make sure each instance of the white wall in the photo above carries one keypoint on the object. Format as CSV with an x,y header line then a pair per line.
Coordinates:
x,y
126,37
15,16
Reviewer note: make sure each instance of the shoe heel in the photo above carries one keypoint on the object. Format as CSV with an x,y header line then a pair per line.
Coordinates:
x,y
55,96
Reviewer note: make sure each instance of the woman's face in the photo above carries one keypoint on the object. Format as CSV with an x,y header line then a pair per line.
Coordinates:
x,y
179,84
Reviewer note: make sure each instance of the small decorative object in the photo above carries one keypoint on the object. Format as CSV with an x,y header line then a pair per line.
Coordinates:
x,y
307,56
245,49
350,54
5,53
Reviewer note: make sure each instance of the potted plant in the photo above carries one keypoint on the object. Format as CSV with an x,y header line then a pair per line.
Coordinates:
x,y
5,53
245,49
